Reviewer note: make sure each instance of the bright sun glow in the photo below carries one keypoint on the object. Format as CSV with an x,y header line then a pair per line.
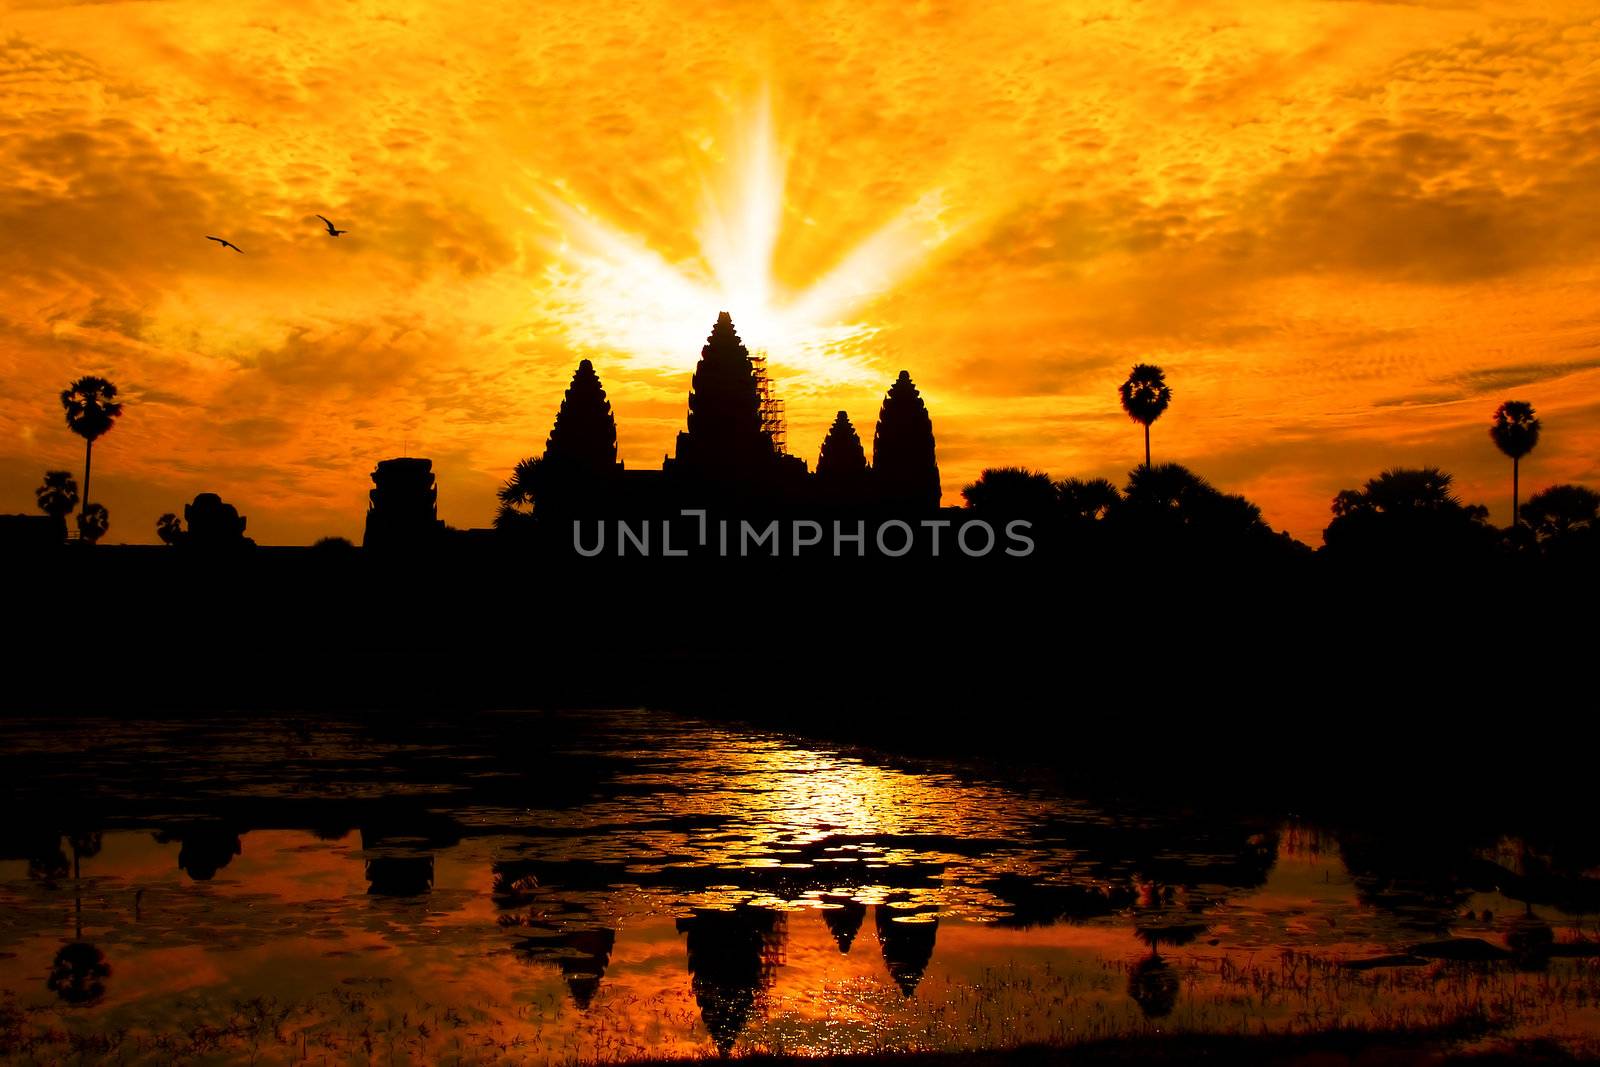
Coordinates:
x,y
611,288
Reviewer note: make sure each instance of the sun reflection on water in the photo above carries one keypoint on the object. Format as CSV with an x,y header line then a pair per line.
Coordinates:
x,y
708,888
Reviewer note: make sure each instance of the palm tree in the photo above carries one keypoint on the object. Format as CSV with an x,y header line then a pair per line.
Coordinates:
x,y
519,496
1012,492
93,521
92,407
1144,397
1087,501
1562,515
1515,432
57,496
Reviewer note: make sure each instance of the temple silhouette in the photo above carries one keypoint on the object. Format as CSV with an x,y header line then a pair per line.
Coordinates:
x,y
731,458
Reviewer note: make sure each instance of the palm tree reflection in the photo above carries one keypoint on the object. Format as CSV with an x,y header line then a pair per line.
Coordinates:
x,y
79,971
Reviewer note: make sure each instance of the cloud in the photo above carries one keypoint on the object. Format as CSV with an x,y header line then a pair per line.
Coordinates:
x,y
1338,226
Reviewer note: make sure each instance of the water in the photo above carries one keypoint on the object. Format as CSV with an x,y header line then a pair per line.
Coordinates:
x,y
618,885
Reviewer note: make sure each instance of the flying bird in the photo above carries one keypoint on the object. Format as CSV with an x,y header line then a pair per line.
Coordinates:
x,y
332,230
225,243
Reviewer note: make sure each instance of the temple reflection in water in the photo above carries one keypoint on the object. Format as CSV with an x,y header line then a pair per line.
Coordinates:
x,y
662,887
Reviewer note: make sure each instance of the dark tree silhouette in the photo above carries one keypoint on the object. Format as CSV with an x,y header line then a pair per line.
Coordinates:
x,y
334,545
1087,501
396,868
1406,513
519,495
213,525
169,528
724,441
1171,500
905,469
1144,397
842,470
584,439
1515,431
92,408
46,861
1012,492
203,848
57,496
1154,986
93,522
78,973
1564,517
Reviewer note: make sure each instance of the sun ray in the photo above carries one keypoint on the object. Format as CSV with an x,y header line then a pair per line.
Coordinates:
x,y
611,288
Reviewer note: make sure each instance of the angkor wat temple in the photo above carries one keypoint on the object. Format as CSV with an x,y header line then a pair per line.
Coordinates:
x,y
731,459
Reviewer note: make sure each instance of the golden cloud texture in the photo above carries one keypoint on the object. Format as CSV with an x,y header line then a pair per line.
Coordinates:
x,y
1347,230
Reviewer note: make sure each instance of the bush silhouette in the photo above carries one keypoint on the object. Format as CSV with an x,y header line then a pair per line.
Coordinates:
x,y
57,496
1170,503
1404,514
170,529
213,525
1013,492
1564,520
93,522
1086,501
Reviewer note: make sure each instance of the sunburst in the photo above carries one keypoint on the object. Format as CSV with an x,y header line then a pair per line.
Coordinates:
x,y
609,287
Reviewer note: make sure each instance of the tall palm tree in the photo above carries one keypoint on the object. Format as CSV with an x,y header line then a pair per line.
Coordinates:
x,y
58,495
1515,432
1144,397
92,407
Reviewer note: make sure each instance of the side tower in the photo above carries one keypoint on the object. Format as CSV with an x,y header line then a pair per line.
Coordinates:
x,y
404,511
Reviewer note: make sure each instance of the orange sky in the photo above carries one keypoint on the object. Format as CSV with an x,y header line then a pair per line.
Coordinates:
x,y
1347,230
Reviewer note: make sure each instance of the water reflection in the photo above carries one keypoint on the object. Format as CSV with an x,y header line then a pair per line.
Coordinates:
x,y
79,970
1154,986
734,954
204,848
619,885
844,916
906,934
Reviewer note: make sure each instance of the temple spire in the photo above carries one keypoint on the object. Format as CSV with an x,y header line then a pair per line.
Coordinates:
x,y
904,466
724,440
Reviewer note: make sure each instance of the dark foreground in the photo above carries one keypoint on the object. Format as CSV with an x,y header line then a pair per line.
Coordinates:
x,y
330,724
1413,671
1323,1050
